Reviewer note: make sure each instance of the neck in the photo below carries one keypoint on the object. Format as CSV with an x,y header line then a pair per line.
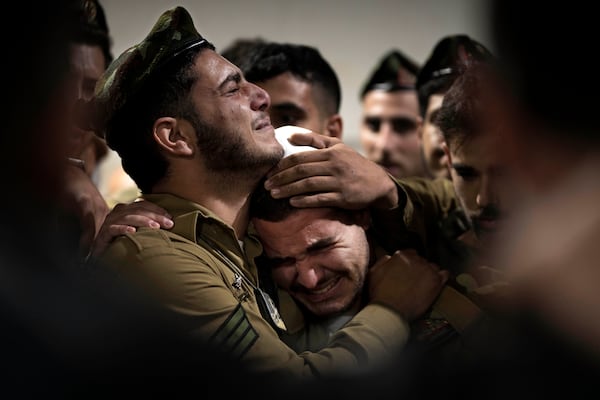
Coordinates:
x,y
227,197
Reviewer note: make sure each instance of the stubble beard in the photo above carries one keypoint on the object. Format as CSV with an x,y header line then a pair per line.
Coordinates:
x,y
229,157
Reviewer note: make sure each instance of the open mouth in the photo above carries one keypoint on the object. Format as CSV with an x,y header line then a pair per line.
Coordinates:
x,y
263,123
323,292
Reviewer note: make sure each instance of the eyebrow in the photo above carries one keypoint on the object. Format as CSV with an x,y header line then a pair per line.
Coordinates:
x,y
233,77
321,243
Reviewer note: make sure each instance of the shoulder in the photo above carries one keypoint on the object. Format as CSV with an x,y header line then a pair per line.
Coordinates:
x,y
158,249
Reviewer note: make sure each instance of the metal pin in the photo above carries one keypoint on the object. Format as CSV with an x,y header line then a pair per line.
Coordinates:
x,y
237,282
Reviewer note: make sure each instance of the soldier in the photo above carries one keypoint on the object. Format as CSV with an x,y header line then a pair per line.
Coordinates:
x,y
303,87
197,139
389,131
444,64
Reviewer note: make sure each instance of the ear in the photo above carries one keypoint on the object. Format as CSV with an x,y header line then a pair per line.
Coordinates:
x,y
448,155
176,137
334,127
419,121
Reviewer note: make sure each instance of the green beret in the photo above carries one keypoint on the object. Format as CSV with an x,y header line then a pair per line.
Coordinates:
x,y
448,56
173,34
395,71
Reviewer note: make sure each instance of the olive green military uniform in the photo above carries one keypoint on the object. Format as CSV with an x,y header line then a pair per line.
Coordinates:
x,y
429,219
433,223
425,219
205,285
199,269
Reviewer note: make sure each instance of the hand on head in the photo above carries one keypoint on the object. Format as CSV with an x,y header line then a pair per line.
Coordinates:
x,y
335,175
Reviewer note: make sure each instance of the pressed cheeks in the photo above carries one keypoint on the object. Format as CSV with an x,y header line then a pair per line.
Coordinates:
x,y
232,105
320,259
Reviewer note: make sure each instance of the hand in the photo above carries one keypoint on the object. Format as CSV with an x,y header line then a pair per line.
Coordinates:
x,y
126,218
335,175
406,282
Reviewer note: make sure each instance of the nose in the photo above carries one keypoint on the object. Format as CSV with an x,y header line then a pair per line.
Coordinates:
x,y
384,141
308,274
487,193
259,98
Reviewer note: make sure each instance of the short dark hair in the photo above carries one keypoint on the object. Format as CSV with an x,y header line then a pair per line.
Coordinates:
x,y
166,93
462,114
240,50
447,60
268,60
266,207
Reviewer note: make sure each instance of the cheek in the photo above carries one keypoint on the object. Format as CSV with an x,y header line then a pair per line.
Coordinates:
x,y
467,192
407,143
412,141
367,138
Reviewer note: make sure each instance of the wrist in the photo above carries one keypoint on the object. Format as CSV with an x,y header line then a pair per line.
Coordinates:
x,y
390,198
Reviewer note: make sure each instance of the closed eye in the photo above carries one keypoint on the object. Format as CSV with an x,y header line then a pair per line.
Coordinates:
x,y
278,262
231,84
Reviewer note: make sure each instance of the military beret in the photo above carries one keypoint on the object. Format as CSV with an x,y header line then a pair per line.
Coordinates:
x,y
172,35
394,71
449,55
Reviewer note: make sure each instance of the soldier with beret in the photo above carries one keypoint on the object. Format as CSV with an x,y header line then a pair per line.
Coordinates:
x,y
66,333
390,116
90,54
447,59
196,137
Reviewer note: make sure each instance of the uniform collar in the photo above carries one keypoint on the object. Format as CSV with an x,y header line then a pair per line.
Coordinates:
x,y
192,220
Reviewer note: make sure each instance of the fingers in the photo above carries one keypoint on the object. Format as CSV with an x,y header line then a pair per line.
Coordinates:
x,y
106,235
308,185
127,218
292,166
305,173
140,214
146,220
406,282
329,199
313,139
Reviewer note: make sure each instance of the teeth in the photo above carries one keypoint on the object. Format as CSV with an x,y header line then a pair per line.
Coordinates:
x,y
327,287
